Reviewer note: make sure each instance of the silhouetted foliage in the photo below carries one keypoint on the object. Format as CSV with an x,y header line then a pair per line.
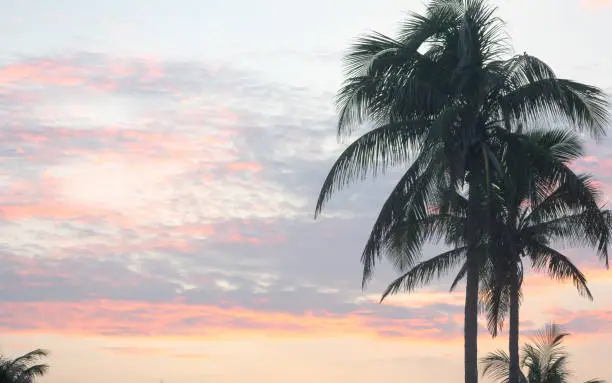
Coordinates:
x,y
441,98
23,369
544,360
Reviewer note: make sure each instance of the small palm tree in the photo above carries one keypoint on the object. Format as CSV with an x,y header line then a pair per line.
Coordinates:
x,y
23,369
542,361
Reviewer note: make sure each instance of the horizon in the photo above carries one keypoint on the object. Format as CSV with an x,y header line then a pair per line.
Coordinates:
x,y
161,163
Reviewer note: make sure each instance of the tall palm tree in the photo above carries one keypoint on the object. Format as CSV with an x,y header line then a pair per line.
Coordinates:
x,y
544,361
434,97
23,369
529,216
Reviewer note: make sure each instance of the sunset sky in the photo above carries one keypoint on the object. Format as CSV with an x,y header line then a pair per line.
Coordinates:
x,y
159,166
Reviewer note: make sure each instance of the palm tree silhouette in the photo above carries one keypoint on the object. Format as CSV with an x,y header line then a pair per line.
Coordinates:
x,y
545,360
23,369
436,97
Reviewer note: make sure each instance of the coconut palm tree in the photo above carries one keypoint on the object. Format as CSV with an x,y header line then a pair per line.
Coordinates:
x,y
23,369
529,216
434,97
543,361
532,215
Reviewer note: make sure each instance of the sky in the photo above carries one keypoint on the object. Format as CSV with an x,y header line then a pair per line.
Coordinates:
x,y
160,162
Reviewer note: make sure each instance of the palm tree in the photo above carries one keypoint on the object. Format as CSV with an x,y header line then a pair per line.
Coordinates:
x,y
544,361
23,369
533,214
435,96
530,216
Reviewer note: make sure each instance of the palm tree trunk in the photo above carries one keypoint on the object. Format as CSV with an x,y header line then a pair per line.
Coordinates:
x,y
513,340
477,226
471,323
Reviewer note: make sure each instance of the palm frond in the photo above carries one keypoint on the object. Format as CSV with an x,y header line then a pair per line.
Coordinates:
x,y
426,271
460,275
33,372
496,366
388,78
23,369
441,16
582,106
31,356
382,99
557,266
369,48
504,271
353,102
434,227
578,191
409,201
371,154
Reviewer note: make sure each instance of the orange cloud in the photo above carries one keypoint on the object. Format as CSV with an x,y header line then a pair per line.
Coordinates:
x,y
207,322
128,318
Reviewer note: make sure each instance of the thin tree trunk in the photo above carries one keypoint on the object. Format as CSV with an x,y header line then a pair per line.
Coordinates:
x,y
513,346
477,226
471,323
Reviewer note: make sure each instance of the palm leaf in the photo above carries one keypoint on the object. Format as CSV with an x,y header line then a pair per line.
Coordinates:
x,y
426,271
371,154
496,365
555,100
558,266
408,202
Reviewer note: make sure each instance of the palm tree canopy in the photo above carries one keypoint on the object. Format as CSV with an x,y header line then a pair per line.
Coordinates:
x,y
529,220
544,360
23,369
534,212
435,96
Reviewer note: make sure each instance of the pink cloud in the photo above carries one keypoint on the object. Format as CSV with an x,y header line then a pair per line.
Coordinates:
x,y
48,210
65,72
584,323
244,166
44,72
130,318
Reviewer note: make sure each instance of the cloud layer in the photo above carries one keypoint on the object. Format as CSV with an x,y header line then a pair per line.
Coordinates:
x,y
173,198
